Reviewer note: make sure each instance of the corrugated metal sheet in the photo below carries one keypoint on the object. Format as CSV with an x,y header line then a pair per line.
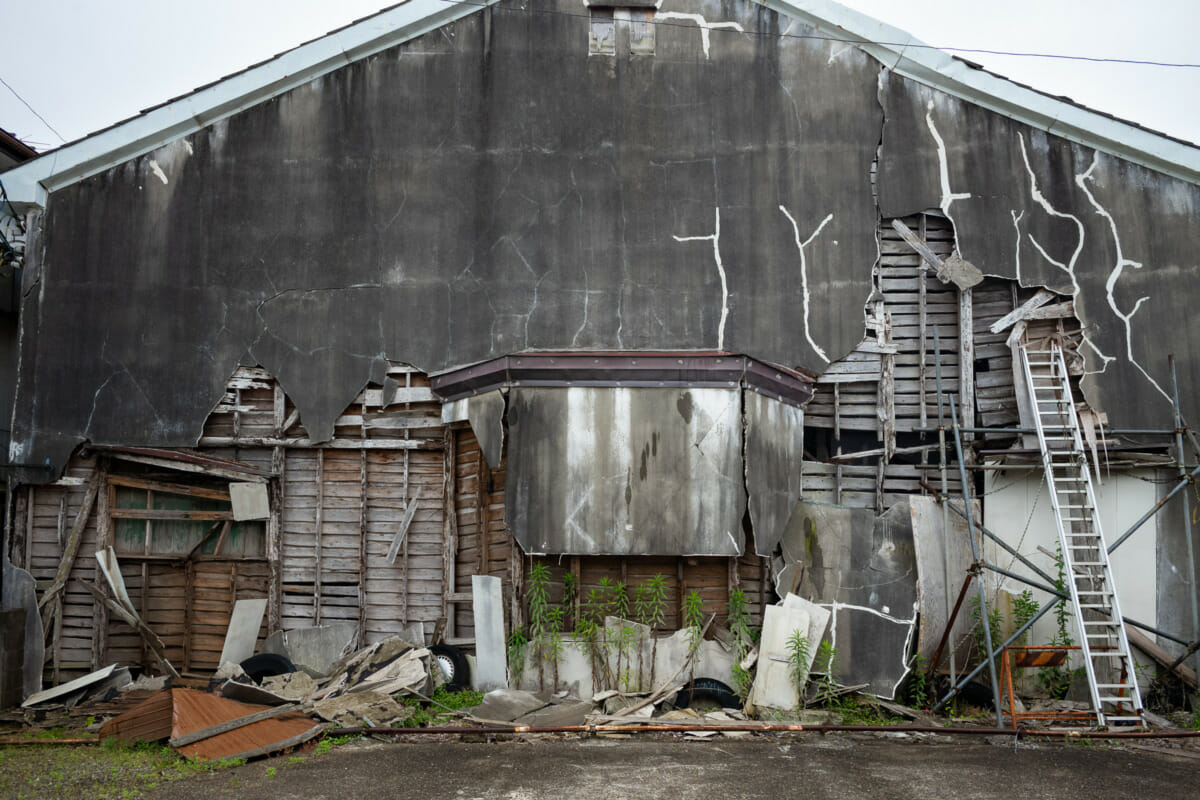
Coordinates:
x,y
176,712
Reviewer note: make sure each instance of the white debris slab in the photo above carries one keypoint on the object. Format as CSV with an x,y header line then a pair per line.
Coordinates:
x,y
242,634
773,684
491,671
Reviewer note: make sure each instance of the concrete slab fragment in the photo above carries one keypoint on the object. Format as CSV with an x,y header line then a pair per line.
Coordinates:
x,y
571,712
242,634
863,569
491,668
316,649
938,549
508,704
712,660
774,686
19,590
818,617
373,709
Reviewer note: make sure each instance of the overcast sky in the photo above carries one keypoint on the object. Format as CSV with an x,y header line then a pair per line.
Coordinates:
x,y
83,65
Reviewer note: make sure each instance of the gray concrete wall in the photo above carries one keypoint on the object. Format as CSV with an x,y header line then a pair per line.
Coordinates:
x,y
492,187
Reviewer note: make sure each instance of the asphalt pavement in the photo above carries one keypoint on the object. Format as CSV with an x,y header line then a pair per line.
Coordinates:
x,y
810,766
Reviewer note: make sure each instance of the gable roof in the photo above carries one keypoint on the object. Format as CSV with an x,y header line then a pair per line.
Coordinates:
x,y
28,184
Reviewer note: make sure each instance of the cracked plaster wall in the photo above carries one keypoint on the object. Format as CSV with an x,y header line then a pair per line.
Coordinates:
x,y
489,188
485,189
1117,237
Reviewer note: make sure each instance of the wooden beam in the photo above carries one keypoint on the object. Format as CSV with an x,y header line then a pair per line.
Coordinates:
x,y
71,550
302,443
401,534
169,513
199,469
169,488
1042,297
234,724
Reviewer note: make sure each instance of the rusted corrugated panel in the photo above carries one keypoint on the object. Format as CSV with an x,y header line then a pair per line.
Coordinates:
x,y
195,711
175,712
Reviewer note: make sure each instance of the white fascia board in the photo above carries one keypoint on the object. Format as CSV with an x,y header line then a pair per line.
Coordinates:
x,y
29,184
894,49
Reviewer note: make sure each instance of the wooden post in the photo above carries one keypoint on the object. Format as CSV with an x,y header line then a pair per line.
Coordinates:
x,y
317,536
104,501
409,498
966,359
276,490
449,525
362,544
482,501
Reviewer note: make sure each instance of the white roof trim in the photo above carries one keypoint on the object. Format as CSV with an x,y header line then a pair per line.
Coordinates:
x,y
940,70
28,184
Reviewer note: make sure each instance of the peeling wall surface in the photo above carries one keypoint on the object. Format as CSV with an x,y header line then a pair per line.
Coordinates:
x,y
626,471
774,451
1117,237
863,568
485,189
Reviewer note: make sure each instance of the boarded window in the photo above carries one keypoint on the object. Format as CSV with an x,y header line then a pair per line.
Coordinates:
x,y
175,520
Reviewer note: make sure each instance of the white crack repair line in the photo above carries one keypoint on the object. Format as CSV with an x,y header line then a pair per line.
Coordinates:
x,y
1041,200
715,238
948,196
804,275
705,25
1109,285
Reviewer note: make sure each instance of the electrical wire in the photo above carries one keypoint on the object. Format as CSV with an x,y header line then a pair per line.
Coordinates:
x,y
33,110
842,40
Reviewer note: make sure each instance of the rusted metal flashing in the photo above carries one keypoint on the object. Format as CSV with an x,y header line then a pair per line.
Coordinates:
x,y
626,370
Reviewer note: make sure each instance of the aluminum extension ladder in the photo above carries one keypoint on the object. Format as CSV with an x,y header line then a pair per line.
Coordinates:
x,y
1103,644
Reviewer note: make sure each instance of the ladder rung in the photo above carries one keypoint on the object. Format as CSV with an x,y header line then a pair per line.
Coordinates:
x,y
1115,686
1108,623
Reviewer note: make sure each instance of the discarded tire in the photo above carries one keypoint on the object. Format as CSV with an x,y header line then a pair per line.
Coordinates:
x,y
264,665
707,689
453,664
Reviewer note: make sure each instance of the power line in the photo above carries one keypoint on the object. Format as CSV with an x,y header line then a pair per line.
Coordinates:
x,y
32,109
840,40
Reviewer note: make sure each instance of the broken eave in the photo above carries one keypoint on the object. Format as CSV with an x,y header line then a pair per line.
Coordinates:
x,y
626,370
187,461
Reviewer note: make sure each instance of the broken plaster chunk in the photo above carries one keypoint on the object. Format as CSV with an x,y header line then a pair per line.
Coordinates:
x,y
959,271
371,708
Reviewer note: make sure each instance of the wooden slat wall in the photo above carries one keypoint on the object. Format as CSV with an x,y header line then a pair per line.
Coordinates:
x,y
50,512
851,393
900,279
479,502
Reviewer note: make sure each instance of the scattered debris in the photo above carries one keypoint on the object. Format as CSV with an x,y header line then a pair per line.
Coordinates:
x,y
314,650
508,704
97,684
390,666
370,709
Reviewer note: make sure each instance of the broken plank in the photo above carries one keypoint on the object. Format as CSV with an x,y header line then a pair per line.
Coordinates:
x,y
1042,297
409,512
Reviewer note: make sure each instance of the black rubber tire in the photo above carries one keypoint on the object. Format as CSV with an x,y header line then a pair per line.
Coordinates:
x,y
707,689
264,665
453,663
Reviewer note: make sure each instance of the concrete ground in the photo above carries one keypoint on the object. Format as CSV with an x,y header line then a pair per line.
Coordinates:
x,y
859,766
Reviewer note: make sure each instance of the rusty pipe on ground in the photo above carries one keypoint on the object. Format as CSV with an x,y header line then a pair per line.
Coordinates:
x,y
767,727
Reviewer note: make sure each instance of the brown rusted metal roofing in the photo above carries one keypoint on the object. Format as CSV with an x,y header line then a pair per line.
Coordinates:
x,y
173,713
